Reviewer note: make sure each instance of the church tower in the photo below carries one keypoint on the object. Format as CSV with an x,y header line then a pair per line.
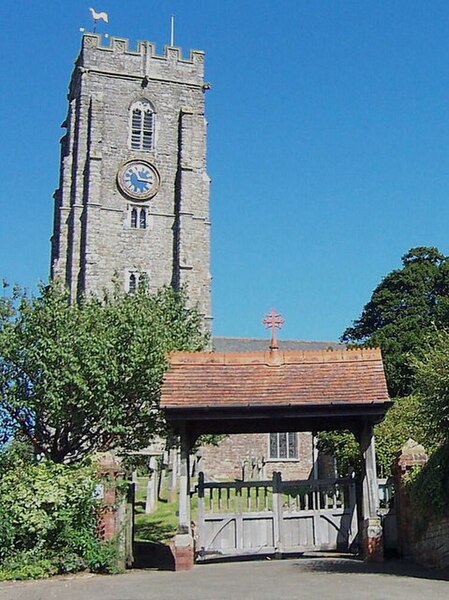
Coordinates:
x,y
133,198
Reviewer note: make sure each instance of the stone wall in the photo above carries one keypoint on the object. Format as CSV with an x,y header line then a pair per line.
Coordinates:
x,y
425,542
432,547
93,241
225,461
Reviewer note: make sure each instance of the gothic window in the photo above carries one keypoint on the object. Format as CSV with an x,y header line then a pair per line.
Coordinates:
x,y
143,218
142,126
138,217
132,284
135,280
283,446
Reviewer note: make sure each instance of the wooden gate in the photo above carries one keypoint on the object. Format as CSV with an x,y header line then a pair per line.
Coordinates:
x,y
264,517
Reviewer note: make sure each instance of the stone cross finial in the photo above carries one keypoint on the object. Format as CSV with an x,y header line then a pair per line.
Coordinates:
x,y
273,320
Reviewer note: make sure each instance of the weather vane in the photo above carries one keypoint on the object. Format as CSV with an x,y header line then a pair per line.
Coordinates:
x,y
97,16
273,320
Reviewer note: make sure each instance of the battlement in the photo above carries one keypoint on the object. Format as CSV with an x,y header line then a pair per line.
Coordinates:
x,y
118,56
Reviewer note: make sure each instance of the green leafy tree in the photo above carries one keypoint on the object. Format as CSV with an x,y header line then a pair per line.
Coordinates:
x,y
432,382
407,418
85,377
404,309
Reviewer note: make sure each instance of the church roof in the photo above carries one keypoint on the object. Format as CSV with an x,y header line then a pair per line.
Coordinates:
x,y
277,378
235,344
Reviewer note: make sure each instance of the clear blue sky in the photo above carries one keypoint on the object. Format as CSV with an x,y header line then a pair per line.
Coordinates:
x,y
328,143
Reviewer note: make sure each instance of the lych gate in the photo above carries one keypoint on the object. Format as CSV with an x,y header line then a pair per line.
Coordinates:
x,y
277,391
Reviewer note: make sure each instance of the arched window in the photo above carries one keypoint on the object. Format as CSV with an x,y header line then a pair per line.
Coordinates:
x,y
134,217
132,285
143,218
142,126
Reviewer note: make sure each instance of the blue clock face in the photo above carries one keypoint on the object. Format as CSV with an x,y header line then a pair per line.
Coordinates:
x,y
138,179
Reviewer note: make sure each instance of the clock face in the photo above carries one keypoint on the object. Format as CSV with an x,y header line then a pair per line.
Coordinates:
x,y
138,179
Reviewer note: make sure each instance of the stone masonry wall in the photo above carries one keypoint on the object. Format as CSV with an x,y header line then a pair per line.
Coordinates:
x,y
432,548
426,542
225,461
93,241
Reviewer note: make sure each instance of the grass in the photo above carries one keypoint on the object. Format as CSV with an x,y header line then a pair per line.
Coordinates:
x,y
158,527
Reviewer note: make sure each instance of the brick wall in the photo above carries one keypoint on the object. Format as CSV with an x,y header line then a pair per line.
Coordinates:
x,y
225,461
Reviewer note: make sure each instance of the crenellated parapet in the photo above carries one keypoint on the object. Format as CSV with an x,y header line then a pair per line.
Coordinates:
x,y
118,57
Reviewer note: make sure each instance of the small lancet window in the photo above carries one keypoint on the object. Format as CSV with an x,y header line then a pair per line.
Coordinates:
x,y
143,219
132,285
134,218
142,126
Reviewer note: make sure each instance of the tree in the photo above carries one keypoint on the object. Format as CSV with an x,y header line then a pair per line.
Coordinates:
x,y
404,309
407,418
432,382
80,378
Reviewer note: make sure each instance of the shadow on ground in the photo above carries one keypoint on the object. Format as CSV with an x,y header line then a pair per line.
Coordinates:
x,y
153,555
349,564
344,564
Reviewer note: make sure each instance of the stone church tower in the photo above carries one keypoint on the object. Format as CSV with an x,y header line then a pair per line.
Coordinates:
x,y
133,198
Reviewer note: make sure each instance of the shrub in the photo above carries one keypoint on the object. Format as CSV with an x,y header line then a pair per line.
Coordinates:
x,y
48,521
429,485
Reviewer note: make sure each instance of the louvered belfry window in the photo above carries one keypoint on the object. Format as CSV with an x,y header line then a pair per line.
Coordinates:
x,y
142,126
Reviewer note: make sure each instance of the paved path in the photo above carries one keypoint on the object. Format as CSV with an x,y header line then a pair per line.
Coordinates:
x,y
295,579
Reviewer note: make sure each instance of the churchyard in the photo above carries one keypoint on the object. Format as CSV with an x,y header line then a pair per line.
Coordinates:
x,y
134,443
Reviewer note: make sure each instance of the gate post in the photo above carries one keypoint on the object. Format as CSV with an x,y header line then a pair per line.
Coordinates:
x,y
371,530
116,513
183,545
410,455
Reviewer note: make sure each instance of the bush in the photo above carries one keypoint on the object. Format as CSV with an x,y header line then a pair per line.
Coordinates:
x,y
429,485
48,521
27,565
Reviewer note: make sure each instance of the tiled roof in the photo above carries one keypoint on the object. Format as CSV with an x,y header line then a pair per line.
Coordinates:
x,y
277,378
234,344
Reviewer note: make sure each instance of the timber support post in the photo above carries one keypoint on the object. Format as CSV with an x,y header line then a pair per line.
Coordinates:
x,y
183,544
371,526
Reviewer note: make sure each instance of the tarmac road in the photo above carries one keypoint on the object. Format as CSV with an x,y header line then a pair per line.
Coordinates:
x,y
308,577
